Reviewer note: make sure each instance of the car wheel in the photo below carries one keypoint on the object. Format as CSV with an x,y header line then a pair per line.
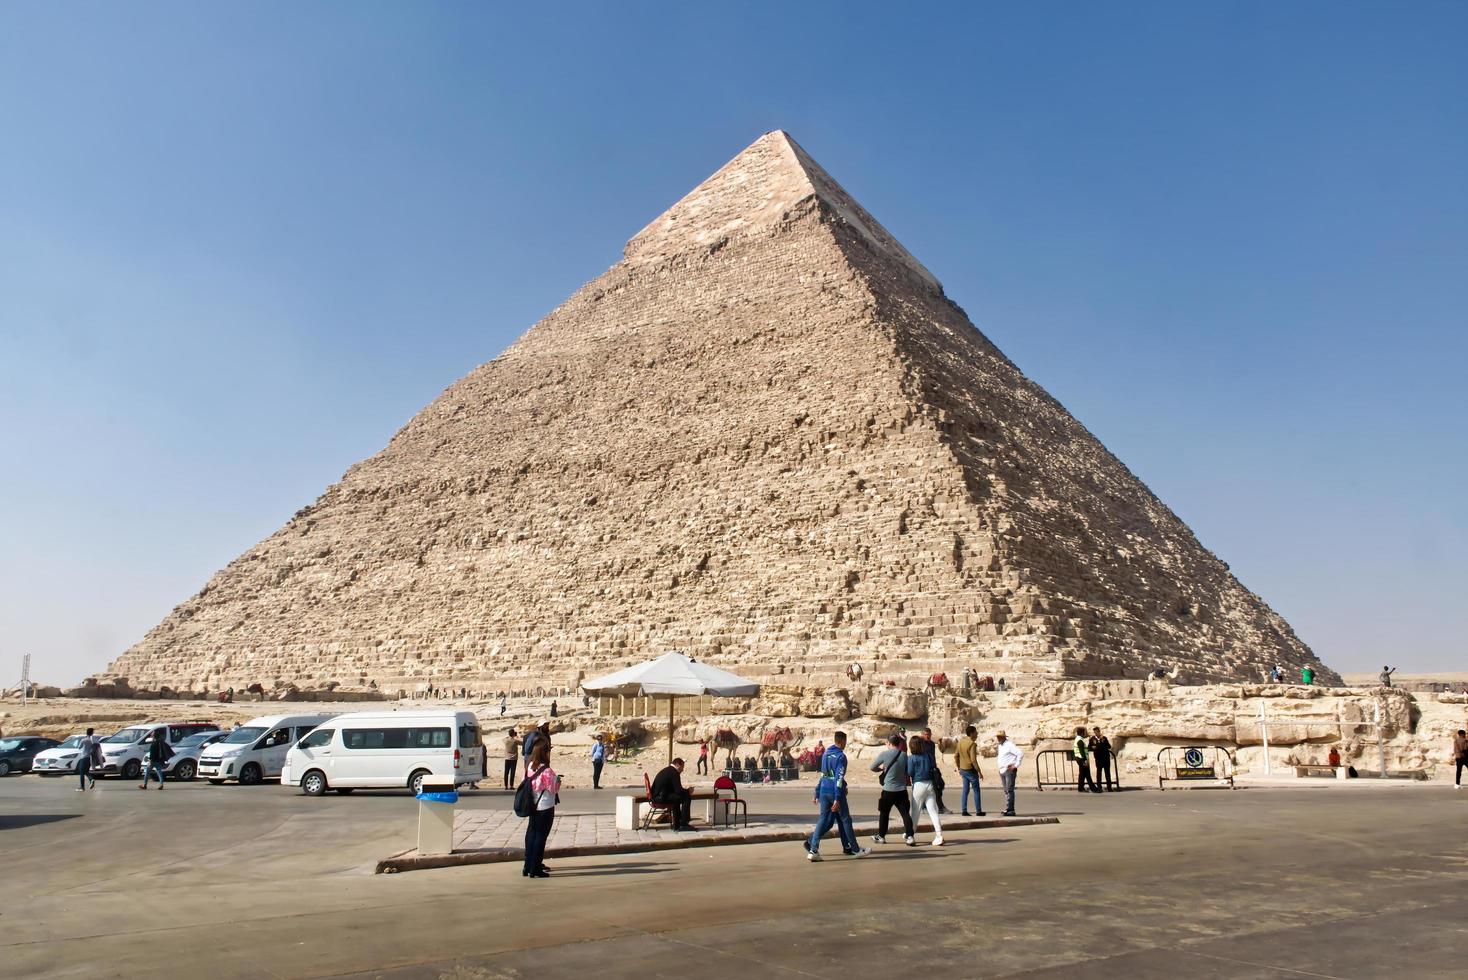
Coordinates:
x,y
132,769
314,783
216,782
415,781
346,791
4,767
250,775
185,771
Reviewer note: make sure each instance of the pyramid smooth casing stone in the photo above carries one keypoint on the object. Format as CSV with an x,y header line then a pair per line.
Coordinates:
x,y
764,437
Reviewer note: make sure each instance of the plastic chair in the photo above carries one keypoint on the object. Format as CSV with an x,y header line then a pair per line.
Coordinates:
x,y
722,784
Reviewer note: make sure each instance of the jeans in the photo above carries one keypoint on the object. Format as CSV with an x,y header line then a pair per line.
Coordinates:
x,y
83,769
970,779
1007,780
537,832
153,769
596,765
509,774
834,812
923,796
893,798
1083,776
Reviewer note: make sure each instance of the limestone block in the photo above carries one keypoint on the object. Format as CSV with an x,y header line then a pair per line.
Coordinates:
x,y
903,703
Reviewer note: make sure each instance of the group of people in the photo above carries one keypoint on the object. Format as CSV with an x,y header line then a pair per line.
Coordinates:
x,y
1092,748
911,779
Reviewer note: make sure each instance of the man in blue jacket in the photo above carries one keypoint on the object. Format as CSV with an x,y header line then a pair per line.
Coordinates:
x,y
831,798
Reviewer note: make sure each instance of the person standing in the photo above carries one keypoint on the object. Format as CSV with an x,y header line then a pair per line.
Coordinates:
x,y
1307,676
1008,762
892,764
540,733
667,788
598,759
966,761
1460,757
545,784
920,768
703,756
1080,752
159,753
84,760
553,709
504,703
831,799
511,753
1100,747
1386,675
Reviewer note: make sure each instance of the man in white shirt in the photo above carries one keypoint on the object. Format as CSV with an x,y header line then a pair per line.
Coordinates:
x,y
1009,759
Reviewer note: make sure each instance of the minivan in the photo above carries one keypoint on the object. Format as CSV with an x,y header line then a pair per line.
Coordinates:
x,y
255,750
126,752
385,750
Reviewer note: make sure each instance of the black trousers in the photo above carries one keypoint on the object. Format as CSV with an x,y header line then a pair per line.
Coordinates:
x,y
1103,772
509,774
537,832
1083,777
885,803
703,764
596,765
938,785
682,804
1462,763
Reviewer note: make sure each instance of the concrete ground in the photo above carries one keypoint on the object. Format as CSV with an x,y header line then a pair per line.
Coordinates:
x,y
1333,880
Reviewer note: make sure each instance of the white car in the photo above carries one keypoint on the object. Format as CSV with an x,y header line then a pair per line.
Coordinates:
x,y
125,753
60,761
184,765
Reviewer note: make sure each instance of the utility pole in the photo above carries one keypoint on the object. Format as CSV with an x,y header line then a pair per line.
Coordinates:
x,y
25,678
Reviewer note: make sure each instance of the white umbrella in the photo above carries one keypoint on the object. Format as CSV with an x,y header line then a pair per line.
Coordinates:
x,y
672,676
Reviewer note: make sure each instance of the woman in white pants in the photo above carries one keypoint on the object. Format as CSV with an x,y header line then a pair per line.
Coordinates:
x,y
920,767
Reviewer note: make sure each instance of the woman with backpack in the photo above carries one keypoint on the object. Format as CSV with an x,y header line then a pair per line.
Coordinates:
x,y
541,783
920,769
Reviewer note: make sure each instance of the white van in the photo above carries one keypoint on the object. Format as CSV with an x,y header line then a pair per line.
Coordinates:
x,y
255,750
126,752
386,749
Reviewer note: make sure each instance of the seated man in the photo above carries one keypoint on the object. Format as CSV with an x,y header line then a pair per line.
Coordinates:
x,y
1334,759
667,787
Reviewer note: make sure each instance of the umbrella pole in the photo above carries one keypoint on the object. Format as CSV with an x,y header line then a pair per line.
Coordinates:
x,y
671,701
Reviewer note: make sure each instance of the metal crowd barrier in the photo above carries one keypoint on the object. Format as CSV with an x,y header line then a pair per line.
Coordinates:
x,y
1057,767
1195,763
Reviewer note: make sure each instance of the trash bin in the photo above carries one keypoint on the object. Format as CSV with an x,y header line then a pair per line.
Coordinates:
x,y
436,815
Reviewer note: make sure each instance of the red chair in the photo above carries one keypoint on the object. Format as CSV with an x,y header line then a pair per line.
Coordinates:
x,y
725,783
654,808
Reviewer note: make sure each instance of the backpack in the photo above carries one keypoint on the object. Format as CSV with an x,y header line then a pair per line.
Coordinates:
x,y
524,799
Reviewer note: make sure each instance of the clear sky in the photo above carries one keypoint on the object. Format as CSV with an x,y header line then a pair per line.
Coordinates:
x,y
240,245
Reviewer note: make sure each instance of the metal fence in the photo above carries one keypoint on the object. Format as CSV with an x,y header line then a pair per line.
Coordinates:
x,y
1195,764
1058,768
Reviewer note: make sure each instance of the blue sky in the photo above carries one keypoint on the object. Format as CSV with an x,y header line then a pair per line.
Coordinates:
x,y
241,245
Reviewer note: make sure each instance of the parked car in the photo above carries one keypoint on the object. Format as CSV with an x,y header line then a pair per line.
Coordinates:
x,y
184,765
17,754
255,750
126,752
58,760
386,749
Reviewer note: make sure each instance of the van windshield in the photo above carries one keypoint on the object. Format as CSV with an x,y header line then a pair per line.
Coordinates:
x,y
127,736
240,735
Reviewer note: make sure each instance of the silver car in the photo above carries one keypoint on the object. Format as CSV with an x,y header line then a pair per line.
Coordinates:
x,y
184,765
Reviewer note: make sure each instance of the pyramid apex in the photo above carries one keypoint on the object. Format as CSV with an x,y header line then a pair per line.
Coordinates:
x,y
754,190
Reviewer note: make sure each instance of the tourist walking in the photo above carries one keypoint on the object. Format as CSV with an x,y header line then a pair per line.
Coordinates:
x,y
931,748
920,769
892,764
511,753
504,703
598,759
667,788
1460,757
703,756
545,784
159,753
1386,675
1100,747
1008,762
831,799
1080,752
85,758
966,761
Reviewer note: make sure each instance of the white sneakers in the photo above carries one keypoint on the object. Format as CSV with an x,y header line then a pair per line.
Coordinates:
x,y
861,852
909,841
938,841
878,839
812,856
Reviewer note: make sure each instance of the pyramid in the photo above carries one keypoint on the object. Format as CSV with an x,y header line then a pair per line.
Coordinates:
x,y
765,437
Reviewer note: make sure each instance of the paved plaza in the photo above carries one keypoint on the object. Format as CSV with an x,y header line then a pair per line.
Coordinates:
x,y
258,882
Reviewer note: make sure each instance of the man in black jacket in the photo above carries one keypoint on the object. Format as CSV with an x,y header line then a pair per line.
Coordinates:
x,y
667,787
159,753
1100,747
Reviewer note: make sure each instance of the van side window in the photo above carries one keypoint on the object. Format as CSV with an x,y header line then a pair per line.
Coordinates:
x,y
397,738
320,738
278,737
